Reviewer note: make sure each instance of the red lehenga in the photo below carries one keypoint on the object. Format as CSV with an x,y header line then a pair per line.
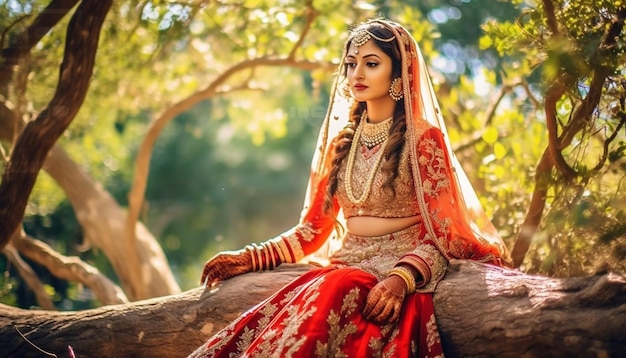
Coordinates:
x,y
320,313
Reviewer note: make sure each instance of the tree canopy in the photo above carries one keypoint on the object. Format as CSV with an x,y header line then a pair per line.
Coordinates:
x,y
200,118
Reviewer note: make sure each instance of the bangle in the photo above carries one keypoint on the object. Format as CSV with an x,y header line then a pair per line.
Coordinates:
x,y
277,253
405,275
250,249
419,265
271,262
264,261
259,257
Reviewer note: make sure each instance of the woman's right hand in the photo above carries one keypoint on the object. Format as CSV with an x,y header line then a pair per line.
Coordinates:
x,y
225,265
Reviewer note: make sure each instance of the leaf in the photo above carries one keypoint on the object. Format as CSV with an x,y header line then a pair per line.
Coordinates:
x,y
499,150
490,135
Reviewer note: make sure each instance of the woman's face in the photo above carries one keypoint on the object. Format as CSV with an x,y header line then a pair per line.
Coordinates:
x,y
368,72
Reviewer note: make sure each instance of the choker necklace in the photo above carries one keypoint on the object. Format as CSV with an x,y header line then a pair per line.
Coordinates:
x,y
375,133
352,156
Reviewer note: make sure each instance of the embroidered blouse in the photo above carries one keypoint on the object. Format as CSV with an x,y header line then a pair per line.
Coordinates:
x,y
424,254
380,202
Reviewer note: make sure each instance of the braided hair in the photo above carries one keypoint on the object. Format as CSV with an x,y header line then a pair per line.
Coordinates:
x,y
396,140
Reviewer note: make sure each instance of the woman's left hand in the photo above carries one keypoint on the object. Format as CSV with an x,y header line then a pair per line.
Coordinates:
x,y
384,301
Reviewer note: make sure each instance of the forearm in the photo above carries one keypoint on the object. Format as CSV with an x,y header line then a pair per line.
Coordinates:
x,y
426,265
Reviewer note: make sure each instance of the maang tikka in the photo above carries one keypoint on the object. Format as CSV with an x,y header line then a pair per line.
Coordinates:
x,y
362,36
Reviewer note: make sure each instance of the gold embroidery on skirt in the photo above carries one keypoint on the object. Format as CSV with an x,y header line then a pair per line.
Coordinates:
x,y
432,336
339,334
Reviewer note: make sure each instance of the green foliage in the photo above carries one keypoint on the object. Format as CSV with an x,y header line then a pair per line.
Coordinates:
x,y
233,169
7,285
568,51
458,25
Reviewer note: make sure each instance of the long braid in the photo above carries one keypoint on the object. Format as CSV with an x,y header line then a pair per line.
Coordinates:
x,y
396,133
394,147
341,152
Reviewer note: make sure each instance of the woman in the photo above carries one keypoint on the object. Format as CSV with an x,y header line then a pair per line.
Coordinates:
x,y
384,171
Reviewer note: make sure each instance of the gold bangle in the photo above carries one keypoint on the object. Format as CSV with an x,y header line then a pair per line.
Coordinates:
x,y
259,257
402,276
250,249
410,276
405,275
267,246
275,254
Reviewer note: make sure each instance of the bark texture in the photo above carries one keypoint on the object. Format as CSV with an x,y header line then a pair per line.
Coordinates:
x,y
482,311
40,135
491,312
102,220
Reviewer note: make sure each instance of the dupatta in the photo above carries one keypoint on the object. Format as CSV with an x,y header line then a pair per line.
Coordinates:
x,y
458,225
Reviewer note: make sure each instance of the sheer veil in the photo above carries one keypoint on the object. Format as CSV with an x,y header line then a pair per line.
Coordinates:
x,y
422,110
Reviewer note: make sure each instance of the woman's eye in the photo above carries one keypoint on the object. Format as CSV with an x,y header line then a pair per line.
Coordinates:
x,y
350,64
372,64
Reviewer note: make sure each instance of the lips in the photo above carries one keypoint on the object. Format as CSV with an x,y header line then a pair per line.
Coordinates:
x,y
360,87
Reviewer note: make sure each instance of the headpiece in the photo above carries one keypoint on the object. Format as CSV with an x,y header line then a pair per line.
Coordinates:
x,y
360,37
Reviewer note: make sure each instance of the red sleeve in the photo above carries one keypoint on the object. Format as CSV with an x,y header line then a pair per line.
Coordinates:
x,y
312,231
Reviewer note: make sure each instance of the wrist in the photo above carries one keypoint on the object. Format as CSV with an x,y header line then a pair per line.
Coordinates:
x,y
249,259
263,256
406,275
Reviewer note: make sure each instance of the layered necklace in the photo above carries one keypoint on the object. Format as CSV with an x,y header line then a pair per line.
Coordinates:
x,y
371,135
374,134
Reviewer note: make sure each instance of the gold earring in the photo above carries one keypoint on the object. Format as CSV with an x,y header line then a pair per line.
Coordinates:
x,y
395,90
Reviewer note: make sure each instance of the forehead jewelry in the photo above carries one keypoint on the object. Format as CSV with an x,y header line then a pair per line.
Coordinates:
x,y
362,36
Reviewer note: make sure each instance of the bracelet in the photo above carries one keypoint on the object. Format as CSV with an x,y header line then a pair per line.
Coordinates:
x,y
250,249
268,259
405,275
419,264
262,258
265,256
259,257
270,250
278,252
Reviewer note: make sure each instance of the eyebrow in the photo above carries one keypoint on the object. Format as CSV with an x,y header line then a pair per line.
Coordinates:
x,y
366,56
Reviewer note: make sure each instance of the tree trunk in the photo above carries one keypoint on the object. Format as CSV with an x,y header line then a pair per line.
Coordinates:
x,y
102,221
482,311
40,135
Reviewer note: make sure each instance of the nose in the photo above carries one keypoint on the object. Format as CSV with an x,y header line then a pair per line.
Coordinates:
x,y
357,73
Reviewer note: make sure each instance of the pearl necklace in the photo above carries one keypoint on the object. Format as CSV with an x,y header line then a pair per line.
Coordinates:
x,y
375,133
352,158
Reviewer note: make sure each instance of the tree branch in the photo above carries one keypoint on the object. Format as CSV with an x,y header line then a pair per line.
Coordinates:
x,y
142,162
71,269
310,13
535,210
553,155
621,115
481,310
25,41
553,94
39,136
548,8
29,276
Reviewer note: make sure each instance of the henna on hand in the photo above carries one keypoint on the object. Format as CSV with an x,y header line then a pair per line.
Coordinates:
x,y
225,265
384,301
